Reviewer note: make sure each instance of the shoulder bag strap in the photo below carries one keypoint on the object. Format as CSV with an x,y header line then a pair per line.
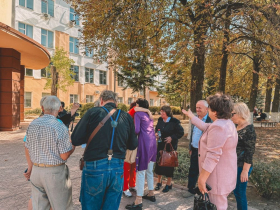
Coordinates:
x,y
98,128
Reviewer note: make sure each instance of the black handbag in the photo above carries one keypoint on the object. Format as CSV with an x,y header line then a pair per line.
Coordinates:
x,y
202,202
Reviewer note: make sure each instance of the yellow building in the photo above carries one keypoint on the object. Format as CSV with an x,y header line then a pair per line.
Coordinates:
x,y
54,24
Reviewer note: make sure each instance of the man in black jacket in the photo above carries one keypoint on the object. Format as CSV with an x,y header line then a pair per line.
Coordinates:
x,y
102,177
195,134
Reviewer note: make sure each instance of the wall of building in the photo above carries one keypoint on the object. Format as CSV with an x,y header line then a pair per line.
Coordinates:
x,y
60,26
6,12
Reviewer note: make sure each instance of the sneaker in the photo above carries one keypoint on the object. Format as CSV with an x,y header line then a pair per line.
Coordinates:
x,y
188,194
127,193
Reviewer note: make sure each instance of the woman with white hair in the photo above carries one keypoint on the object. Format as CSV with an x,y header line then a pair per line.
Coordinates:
x,y
245,150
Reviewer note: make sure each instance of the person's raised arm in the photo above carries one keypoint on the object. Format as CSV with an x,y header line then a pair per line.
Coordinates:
x,y
141,109
196,121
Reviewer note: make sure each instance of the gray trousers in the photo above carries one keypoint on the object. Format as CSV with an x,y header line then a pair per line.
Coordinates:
x,y
51,187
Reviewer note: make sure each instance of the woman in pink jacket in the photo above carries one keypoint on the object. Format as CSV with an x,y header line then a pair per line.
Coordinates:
x,y
217,150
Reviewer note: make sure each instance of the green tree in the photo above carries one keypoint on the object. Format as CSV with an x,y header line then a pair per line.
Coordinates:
x,y
60,71
141,74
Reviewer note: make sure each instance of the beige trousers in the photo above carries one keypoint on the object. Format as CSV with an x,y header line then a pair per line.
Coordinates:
x,y
51,187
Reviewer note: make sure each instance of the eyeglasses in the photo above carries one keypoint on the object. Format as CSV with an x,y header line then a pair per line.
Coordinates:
x,y
232,114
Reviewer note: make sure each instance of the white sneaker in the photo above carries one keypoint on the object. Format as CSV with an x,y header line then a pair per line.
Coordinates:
x,y
127,193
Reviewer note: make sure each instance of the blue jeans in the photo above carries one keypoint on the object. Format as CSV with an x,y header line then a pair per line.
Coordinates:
x,y
240,191
102,183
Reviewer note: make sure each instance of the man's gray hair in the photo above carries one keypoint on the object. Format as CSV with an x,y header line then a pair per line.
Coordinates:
x,y
51,104
204,103
42,100
108,95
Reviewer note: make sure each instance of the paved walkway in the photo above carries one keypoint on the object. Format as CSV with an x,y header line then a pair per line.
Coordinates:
x,y
15,190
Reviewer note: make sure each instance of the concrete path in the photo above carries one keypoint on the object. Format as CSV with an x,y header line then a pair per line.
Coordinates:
x,y
15,190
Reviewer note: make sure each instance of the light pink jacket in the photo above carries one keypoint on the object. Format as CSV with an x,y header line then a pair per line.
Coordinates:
x,y
217,154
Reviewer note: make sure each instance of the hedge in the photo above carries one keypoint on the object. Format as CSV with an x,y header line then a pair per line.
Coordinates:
x,y
36,111
266,178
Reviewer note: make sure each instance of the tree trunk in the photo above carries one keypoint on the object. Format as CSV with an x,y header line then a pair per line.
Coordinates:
x,y
185,105
144,92
268,95
275,103
255,83
54,81
223,68
198,68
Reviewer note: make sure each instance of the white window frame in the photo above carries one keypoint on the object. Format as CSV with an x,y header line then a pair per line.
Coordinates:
x,y
102,72
74,45
26,99
77,74
25,4
75,15
25,29
47,38
120,100
88,100
28,75
73,98
88,71
129,102
47,2
151,102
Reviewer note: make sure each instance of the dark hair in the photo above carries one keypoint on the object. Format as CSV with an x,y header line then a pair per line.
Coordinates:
x,y
142,103
222,104
62,104
167,110
133,104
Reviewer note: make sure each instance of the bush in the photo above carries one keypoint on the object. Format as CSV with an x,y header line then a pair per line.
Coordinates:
x,y
266,178
84,108
154,109
36,111
181,172
176,109
123,107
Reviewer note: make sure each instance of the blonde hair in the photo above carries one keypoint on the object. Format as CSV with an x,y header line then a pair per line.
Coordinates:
x,y
243,111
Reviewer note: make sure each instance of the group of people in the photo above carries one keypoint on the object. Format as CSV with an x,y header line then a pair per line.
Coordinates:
x,y
123,147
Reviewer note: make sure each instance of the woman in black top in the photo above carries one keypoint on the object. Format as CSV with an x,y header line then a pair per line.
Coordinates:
x,y
171,130
245,150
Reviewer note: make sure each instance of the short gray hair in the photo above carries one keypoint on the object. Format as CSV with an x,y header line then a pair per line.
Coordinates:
x,y
42,100
204,103
51,104
108,95
96,103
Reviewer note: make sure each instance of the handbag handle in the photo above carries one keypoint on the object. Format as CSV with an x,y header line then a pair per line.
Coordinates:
x,y
171,147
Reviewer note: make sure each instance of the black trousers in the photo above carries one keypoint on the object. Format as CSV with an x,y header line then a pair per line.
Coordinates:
x,y
193,171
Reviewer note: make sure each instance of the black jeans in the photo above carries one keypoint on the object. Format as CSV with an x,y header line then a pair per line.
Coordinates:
x,y
193,171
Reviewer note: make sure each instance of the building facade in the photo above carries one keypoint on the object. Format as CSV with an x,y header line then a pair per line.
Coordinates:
x,y
53,23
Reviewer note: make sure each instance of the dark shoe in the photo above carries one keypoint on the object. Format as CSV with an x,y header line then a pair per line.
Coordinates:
x,y
150,198
167,188
135,207
159,185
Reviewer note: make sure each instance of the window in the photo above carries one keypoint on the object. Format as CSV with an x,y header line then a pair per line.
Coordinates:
x,y
151,102
25,29
45,73
75,69
89,99
73,45
29,72
45,94
26,3
74,98
89,75
47,38
120,82
120,99
130,100
48,7
89,53
102,77
141,92
27,99
74,16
